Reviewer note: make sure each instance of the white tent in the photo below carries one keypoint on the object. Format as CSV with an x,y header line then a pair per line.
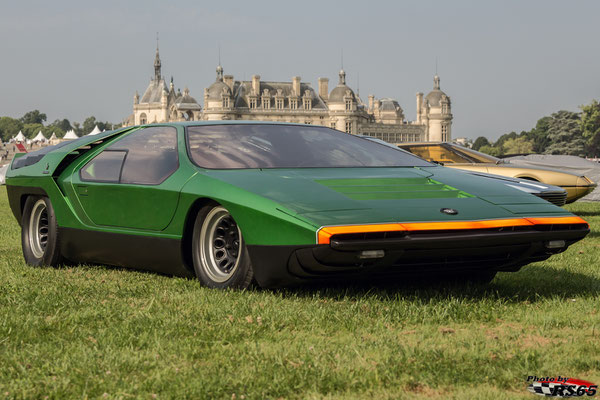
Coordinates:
x,y
40,137
53,137
95,131
70,135
20,137
3,170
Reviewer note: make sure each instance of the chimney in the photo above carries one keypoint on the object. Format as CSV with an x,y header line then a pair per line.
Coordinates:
x,y
296,86
324,88
371,102
228,79
256,84
419,106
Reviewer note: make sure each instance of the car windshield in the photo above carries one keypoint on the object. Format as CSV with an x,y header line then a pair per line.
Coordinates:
x,y
476,156
450,154
288,146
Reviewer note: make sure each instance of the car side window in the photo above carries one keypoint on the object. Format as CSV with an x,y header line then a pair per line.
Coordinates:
x,y
105,167
150,157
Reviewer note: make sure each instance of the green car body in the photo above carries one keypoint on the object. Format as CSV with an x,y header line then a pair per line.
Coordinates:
x,y
281,212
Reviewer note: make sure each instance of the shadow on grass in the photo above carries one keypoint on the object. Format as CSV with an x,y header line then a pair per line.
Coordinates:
x,y
531,284
593,234
587,213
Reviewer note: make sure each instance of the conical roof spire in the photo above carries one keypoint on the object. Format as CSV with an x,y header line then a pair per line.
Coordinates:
x,y
157,63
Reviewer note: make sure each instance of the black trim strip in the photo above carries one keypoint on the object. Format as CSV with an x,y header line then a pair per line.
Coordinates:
x,y
131,251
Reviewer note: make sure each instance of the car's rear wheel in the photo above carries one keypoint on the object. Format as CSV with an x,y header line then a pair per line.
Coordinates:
x,y
219,253
39,232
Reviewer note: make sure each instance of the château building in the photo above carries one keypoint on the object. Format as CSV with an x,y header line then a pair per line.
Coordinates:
x,y
298,102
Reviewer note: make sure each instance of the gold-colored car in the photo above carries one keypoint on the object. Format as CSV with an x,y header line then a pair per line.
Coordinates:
x,y
455,156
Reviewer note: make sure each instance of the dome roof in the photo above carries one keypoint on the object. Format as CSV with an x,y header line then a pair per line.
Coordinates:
x,y
435,96
186,102
339,92
217,89
185,97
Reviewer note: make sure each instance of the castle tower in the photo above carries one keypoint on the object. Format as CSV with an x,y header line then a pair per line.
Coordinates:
x,y
436,113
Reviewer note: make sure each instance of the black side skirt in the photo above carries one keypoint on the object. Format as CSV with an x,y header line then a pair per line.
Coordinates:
x,y
131,251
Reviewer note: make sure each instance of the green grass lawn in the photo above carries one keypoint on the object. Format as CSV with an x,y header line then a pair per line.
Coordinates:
x,y
100,332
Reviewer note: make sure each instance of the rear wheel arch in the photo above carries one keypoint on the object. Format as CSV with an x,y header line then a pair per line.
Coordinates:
x,y
40,236
21,193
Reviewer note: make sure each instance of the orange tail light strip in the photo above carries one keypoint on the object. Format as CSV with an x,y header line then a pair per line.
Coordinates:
x,y
325,233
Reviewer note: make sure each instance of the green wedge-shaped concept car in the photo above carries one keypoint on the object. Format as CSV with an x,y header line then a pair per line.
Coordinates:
x,y
278,204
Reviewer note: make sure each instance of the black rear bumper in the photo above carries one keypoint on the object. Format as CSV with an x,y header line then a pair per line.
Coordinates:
x,y
418,254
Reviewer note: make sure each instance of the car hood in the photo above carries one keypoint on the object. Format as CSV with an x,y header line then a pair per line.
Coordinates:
x,y
329,196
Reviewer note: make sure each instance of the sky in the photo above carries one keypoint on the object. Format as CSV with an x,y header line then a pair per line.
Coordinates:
x,y
504,64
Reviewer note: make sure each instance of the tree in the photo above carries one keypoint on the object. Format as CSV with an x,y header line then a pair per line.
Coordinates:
x,y
519,145
64,125
590,126
77,128
52,128
565,135
480,142
88,125
498,144
33,117
30,130
539,135
9,127
491,150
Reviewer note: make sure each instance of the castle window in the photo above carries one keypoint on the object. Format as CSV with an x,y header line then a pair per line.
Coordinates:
x,y
280,104
252,103
333,125
266,103
308,122
348,126
349,105
143,118
225,102
444,108
306,103
294,104
444,133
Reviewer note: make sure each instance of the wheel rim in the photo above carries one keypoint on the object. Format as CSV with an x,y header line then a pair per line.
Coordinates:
x,y
220,245
38,229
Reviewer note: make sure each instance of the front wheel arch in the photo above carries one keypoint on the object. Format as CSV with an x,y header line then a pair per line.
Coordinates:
x,y
219,255
529,178
188,229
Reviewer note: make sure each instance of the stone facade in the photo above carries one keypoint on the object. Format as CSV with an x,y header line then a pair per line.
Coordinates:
x,y
298,102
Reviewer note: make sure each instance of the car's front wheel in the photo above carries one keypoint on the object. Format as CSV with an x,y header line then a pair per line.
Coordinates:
x,y
219,253
39,232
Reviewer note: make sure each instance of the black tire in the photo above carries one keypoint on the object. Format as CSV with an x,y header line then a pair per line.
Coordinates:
x,y
40,237
219,253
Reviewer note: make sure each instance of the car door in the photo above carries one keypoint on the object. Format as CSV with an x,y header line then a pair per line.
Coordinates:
x,y
134,182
